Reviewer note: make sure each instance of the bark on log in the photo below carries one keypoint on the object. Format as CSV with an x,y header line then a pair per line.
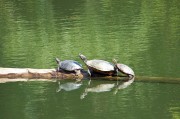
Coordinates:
x,y
24,74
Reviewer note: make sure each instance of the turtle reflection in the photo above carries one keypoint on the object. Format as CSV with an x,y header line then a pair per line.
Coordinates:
x,y
98,89
69,86
108,87
124,84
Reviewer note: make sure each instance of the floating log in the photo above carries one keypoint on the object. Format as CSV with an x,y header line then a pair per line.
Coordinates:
x,y
38,73
29,74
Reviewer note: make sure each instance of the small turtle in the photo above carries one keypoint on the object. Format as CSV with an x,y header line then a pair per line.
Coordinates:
x,y
123,69
69,65
98,66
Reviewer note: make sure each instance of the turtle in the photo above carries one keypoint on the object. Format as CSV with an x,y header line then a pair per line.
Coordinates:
x,y
69,66
98,66
123,69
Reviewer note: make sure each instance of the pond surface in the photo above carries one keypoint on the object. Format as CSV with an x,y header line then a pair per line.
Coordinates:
x,y
145,35
40,100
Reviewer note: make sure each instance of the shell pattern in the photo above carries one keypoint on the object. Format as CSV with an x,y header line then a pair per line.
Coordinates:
x,y
70,65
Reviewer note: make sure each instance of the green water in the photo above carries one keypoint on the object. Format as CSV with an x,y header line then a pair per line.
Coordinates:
x,y
145,35
39,100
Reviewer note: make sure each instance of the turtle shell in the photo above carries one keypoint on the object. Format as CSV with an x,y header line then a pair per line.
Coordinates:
x,y
101,66
125,69
70,65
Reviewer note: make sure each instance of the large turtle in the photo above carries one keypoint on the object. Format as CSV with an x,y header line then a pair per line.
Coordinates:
x,y
123,69
69,65
98,66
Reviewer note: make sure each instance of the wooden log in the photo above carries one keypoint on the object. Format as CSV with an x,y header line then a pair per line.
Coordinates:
x,y
26,74
38,73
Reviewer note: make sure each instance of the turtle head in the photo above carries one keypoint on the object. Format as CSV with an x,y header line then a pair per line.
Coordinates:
x,y
83,57
58,61
115,66
114,61
59,64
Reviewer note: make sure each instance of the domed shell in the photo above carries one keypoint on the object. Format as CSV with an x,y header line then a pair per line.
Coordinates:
x,y
125,69
70,65
100,65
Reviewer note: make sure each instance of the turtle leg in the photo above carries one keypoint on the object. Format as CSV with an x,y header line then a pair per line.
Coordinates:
x,y
89,72
116,72
78,72
58,69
